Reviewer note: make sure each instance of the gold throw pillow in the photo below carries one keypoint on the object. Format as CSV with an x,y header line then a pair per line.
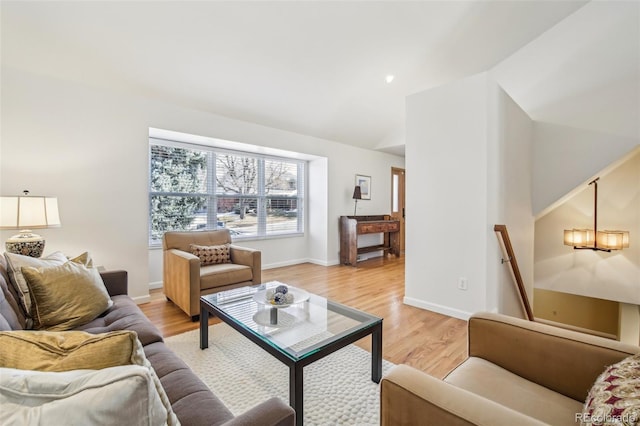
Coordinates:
x,y
66,296
15,263
68,350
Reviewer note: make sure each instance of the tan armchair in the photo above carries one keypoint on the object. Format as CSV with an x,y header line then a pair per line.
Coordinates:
x,y
184,280
518,373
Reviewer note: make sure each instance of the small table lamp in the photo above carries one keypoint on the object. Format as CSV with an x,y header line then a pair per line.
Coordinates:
x,y
26,212
357,195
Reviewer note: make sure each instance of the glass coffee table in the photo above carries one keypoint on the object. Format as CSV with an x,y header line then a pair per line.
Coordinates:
x,y
297,334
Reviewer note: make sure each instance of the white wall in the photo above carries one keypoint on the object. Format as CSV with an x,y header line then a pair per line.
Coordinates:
x,y
564,157
468,152
446,156
610,276
510,173
317,212
89,147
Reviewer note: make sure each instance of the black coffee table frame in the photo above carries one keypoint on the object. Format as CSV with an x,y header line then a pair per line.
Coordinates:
x,y
296,365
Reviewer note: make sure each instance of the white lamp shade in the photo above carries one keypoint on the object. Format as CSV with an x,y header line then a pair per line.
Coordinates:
x,y
625,239
613,240
17,212
8,212
579,237
53,215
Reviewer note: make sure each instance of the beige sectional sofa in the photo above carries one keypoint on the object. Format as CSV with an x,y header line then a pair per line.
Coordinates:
x,y
518,373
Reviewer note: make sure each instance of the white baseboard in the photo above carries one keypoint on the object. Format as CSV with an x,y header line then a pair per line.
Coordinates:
x,y
324,262
155,285
282,264
299,261
142,299
440,309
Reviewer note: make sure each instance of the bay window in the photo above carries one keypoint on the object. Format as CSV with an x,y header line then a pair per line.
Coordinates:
x,y
194,187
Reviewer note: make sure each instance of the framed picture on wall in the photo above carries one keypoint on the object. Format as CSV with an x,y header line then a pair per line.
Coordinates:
x,y
364,182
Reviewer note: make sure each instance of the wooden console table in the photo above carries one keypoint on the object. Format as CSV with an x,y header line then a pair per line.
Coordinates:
x,y
352,226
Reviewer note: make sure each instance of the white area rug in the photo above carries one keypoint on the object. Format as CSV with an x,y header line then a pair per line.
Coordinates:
x,y
337,389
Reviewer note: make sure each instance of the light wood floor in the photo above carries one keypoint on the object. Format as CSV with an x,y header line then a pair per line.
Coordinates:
x,y
428,341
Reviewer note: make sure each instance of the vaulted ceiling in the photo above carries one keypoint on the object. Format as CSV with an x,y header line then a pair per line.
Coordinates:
x,y
319,68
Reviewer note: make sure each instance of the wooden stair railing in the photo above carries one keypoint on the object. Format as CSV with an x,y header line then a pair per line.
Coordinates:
x,y
507,249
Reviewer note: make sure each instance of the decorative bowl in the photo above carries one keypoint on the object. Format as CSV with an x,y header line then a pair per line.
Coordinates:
x,y
299,296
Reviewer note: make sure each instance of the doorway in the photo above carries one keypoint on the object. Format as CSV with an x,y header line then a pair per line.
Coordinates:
x,y
398,200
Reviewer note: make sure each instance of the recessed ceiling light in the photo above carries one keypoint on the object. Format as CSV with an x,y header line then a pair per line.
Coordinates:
x,y
389,78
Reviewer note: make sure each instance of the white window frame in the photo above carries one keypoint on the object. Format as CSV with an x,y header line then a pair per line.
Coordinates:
x,y
213,197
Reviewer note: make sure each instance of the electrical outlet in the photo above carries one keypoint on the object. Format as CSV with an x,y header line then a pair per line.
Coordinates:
x,y
462,283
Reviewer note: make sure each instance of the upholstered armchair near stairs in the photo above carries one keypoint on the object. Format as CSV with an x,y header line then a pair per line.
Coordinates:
x,y
203,262
518,373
